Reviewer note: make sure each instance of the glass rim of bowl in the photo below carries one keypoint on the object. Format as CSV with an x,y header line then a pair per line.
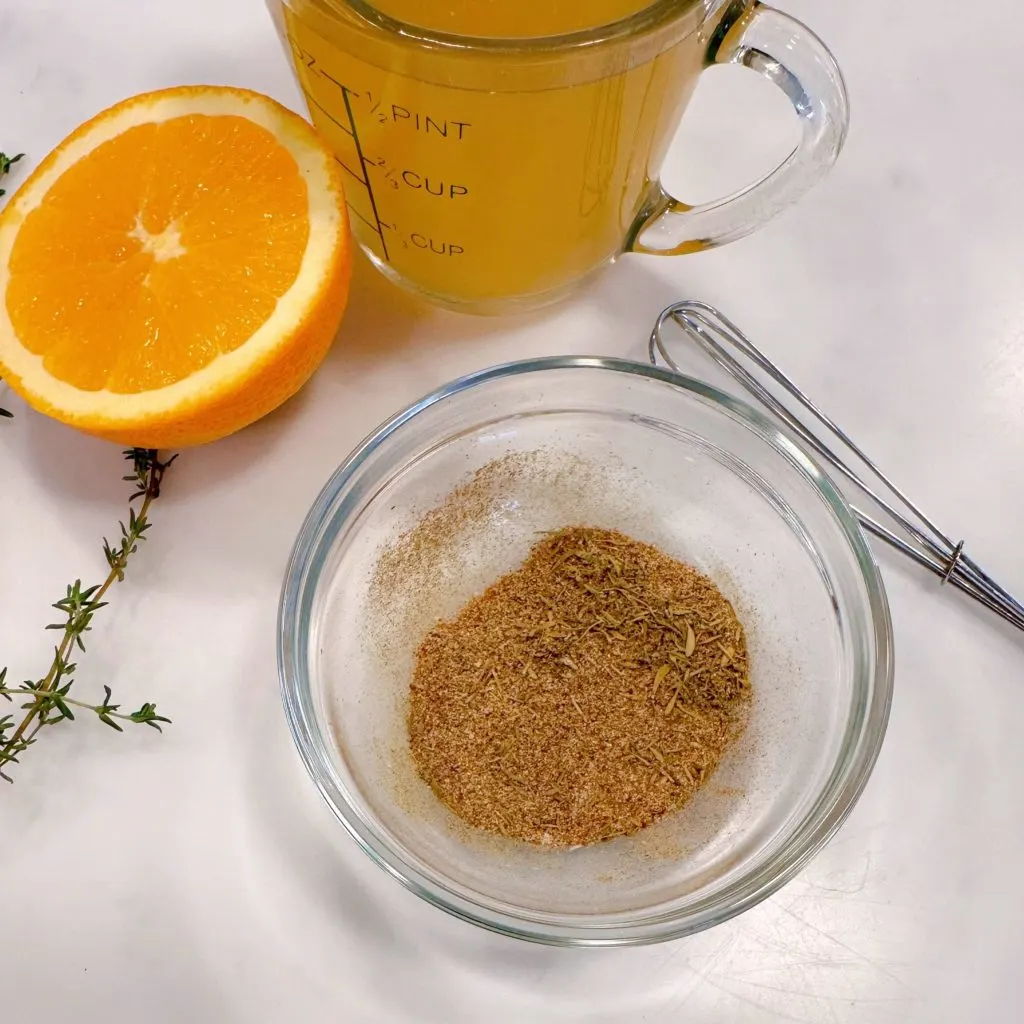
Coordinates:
x,y
819,823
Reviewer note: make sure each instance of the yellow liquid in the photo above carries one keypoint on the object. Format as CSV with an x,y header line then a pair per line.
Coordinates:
x,y
480,180
509,19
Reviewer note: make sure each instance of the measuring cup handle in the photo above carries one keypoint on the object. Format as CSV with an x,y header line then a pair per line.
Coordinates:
x,y
791,56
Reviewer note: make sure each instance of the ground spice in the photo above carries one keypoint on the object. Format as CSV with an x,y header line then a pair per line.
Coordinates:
x,y
581,697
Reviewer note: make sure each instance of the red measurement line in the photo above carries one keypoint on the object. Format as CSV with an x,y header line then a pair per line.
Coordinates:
x,y
323,110
366,173
366,220
346,167
331,78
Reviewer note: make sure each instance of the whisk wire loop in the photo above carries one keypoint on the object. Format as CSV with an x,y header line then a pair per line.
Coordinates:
x,y
912,532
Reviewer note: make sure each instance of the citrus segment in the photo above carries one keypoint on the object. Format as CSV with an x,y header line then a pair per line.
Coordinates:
x,y
176,268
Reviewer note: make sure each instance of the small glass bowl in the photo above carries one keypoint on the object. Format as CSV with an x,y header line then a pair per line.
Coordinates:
x,y
666,459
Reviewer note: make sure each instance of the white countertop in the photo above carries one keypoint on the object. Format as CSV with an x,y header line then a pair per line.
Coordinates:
x,y
197,876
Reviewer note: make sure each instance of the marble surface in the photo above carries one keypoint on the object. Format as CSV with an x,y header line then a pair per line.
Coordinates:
x,y
197,877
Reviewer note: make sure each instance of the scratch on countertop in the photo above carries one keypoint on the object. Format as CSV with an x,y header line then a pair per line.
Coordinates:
x,y
814,954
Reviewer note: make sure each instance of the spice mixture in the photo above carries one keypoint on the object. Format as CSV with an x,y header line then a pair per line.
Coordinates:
x,y
581,697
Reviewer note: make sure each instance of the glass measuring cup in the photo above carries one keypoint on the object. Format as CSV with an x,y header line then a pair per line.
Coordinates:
x,y
493,174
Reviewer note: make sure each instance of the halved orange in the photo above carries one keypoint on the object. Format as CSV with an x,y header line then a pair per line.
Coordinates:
x,y
175,269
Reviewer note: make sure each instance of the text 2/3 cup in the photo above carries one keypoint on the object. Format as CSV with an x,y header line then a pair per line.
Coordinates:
x,y
497,153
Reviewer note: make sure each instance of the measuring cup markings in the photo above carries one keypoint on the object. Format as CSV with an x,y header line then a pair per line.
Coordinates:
x,y
346,95
417,181
308,61
413,179
540,160
408,179
397,114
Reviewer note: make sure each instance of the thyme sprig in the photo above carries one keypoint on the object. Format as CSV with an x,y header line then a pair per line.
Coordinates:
x,y
6,163
46,701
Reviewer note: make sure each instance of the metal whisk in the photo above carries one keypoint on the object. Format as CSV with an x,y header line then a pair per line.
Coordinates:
x,y
913,533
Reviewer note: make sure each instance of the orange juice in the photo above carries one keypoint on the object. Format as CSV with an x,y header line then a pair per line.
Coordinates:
x,y
494,176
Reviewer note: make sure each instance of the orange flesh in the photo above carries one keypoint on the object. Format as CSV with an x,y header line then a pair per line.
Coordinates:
x,y
182,237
